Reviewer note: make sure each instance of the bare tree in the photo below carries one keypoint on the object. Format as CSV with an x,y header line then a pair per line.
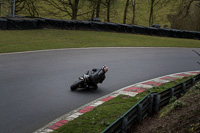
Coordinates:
x,y
133,7
27,7
133,4
186,6
108,4
69,7
96,6
151,12
1,3
186,16
134,10
125,11
158,4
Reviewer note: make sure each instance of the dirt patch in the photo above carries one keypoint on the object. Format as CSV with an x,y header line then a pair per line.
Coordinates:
x,y
185,119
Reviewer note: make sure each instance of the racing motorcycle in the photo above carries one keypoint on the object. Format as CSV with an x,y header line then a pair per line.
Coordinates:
x,y
90,79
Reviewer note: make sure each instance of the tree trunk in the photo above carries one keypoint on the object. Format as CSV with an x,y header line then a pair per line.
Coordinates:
x,y
151,13
98,8
0,8
75,9
93,10
125,11
108,10
133,5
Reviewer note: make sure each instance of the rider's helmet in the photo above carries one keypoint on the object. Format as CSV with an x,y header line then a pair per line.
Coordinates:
x,y
105,68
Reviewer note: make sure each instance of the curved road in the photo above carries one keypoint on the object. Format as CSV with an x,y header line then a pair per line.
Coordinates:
x,y
34,86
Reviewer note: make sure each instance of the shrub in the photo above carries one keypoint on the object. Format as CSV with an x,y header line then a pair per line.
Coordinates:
x,y
177,104
173,99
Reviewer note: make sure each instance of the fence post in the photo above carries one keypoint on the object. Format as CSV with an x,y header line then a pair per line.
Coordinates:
x,y
139,113
150,104
124,124
183,87
157,103
13,8
193,81
171,92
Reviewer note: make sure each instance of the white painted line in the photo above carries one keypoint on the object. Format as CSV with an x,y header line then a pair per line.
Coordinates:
x,y
188,73
47,130
161,80
176,76
115,95
97,103
73,116
132,94
143,86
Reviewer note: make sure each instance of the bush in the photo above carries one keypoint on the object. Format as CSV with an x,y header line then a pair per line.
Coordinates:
x,y
177,104
196,87
173,99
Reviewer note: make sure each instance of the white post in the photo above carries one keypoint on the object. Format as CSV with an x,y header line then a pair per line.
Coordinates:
x,y
13,8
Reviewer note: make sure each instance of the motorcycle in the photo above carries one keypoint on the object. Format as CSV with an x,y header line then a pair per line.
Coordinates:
x,y
86,81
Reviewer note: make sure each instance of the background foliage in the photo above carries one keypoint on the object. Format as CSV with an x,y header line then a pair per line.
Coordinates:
x,y
178,14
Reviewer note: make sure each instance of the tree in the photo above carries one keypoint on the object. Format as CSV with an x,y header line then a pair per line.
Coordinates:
x,y
98,8
96,5
1,3
158,4
125,11
151,12
134,10
186,16
188,4
108,4
133,3
68,7
27,7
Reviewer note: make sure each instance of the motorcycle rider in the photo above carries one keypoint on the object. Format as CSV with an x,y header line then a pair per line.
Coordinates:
x,y
97,76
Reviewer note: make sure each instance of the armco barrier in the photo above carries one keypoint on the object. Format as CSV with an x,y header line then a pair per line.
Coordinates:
x,y
150,104
136,114
24,23
3,23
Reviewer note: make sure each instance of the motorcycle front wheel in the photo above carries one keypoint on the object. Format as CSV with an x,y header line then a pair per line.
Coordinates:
x,y
76,85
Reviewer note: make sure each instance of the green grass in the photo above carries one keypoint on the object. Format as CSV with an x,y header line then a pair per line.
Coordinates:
x,y
28,40
102,116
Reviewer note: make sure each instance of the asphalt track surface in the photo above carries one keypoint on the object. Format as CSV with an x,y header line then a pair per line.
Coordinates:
x,y
35,86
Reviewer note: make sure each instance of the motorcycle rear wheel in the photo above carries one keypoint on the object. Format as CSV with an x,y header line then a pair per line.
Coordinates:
x,y
76,85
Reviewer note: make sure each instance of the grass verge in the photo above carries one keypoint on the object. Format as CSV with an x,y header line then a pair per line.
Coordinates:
x,y
104,115
29,40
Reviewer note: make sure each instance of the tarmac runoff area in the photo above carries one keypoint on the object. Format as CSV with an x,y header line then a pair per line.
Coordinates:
x,y
131,90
